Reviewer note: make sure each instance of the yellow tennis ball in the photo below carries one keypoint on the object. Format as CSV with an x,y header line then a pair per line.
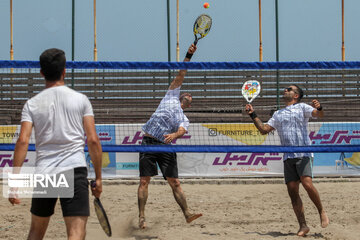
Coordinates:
x,y
206,5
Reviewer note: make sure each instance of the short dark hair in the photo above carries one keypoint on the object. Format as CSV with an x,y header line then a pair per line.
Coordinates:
x,y
300,92
52,63
182,96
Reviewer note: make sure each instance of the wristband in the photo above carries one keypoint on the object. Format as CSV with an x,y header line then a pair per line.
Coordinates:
x,y
319,108
253,115
188,55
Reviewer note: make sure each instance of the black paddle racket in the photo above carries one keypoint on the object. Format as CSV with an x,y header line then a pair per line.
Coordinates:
x,y
202,27
100,213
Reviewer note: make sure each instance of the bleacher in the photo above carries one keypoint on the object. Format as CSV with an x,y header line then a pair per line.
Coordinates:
x,y
132,96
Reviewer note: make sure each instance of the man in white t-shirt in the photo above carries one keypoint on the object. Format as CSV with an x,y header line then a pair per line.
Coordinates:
x,y
292,126
165,125
61,117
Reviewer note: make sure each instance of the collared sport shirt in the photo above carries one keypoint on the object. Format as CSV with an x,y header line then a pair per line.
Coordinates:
x,y
292,126
168,117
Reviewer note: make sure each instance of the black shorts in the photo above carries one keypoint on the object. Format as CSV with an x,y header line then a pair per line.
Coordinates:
x,y
294,168
147,161
76,206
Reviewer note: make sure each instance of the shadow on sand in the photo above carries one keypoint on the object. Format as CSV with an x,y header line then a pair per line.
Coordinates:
x,y
280,234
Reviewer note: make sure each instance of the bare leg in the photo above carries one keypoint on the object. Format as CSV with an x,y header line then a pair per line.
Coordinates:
x,y
181,199
38,227
293,190
76,227
315,198
142,198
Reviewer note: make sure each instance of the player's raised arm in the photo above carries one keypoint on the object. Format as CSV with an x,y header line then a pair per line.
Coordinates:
x,y
177,82
318,111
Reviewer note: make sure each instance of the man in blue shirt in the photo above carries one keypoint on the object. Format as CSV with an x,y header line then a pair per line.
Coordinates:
x,y
165,125
292,126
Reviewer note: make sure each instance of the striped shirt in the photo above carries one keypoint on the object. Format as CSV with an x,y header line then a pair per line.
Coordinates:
x,y
292,126
168,117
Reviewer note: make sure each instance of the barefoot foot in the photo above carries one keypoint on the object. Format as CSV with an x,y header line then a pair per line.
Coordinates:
x,y
303,231
142,223
324,219
192,217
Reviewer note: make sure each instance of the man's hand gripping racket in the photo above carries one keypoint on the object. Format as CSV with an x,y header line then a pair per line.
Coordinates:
x,y
250,90
100,211
202,27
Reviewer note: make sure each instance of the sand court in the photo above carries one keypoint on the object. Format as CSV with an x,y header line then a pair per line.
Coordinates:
x,y
232,209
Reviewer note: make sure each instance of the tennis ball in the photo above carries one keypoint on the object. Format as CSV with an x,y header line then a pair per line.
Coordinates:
x,y
206,5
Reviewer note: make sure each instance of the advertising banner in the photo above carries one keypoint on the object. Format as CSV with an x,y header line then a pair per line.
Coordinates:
x,y
125,164
245,164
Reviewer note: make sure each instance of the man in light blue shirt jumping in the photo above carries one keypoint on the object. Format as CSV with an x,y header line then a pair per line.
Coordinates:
x,y
292,126
165,125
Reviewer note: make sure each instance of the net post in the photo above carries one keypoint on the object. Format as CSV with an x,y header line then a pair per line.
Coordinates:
x,y
260,35
177,32
342,30
277,53
168,38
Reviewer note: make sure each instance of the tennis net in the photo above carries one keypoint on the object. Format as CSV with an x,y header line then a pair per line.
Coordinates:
x,y
124,95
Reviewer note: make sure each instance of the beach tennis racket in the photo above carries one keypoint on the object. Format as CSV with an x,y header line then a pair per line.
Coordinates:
x,y
100,213
202,27
250,90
